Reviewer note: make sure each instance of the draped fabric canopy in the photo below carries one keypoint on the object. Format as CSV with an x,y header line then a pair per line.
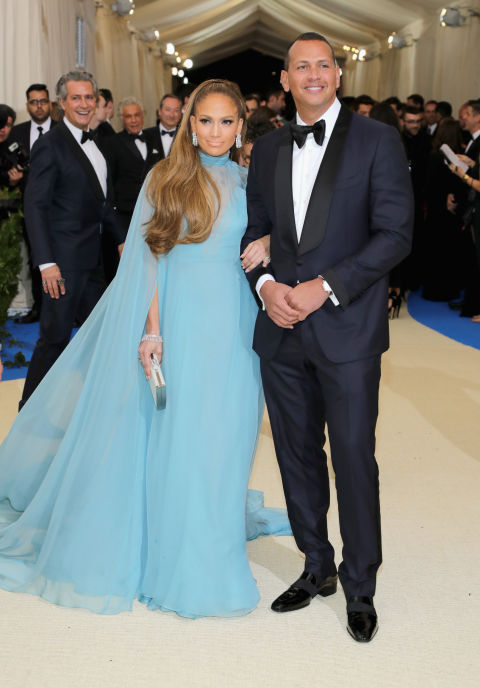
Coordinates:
x,y
37,43
211,29
439,62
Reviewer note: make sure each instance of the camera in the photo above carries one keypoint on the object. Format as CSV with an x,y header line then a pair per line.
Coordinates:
x,y
18,155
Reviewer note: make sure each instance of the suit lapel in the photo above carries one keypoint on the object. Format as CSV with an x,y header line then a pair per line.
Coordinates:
x,y
83,160
131,145
316,218
285,220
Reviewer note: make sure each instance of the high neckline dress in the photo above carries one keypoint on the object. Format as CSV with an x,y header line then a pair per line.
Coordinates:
x,y
103,498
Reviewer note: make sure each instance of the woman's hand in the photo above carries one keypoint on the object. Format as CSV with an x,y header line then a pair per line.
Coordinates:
x,y
468,161
456,170
145,351
257,252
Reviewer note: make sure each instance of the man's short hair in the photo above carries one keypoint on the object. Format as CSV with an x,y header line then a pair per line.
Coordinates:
x,y
412,110
444,109
170,95
61,87
130,100
308,36
106,95
475,105
418,100
363,100
276,92
257,129
393,100
37,87
252,96
431,102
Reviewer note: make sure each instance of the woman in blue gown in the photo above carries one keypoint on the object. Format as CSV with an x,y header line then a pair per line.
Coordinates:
x,y
105,499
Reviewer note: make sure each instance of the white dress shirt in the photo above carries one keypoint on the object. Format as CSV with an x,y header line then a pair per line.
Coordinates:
x,y
166,139
142,147
306,163
34,133
96,158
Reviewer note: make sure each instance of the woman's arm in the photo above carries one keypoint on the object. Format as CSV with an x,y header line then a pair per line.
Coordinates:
x,y
154,345
470,181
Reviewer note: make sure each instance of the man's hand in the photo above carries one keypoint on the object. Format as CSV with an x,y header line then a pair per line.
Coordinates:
x,y
120,249
307,297
278,310
14,175
53,282
451,203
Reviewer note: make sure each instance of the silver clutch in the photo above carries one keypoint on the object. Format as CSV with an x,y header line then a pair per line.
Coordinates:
x,y
157,384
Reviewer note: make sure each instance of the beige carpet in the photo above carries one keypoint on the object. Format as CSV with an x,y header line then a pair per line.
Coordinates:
x,y
428,590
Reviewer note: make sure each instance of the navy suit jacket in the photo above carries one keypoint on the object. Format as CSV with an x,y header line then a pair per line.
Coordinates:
x,y
66,210
357,227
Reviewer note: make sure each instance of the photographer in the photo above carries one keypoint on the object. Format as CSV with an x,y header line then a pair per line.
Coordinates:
x,y
11,172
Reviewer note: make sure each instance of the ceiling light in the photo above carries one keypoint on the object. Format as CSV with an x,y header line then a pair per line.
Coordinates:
x,y
149,36
179,59
396,40
188,64
122,7
185,81
456,16
170,49
181,73
174,71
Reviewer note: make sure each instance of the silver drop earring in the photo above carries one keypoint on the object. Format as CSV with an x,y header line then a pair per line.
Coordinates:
x,y
238,140
194,138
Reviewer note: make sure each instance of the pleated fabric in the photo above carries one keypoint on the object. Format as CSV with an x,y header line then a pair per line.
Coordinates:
x,y
103,498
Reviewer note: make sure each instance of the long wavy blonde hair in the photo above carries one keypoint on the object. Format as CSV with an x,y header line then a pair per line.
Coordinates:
x,y
180,188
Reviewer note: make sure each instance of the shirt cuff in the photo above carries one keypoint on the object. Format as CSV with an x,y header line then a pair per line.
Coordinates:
x,y
260,282
328,288
44,266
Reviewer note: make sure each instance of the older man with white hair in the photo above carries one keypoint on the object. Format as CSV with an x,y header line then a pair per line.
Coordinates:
x,y
130,155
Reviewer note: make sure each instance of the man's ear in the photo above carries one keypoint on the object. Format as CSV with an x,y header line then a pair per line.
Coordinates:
x,y
284,80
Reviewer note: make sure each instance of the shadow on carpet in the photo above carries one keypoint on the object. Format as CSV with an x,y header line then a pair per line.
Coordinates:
x,y
439,317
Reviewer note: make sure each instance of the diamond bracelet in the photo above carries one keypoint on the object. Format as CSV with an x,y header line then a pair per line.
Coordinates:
x,y
152,338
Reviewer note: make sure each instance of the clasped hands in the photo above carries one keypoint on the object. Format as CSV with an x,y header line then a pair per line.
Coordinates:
x,y
287,306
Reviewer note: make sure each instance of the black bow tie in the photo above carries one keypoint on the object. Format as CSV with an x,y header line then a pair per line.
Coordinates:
x,y
140,137
87,136
300,132
170,133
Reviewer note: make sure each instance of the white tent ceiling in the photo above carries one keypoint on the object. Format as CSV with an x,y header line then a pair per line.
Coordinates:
x,y
209,30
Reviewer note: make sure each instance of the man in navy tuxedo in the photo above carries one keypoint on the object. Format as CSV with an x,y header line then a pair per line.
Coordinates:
x,y
333,191
67,208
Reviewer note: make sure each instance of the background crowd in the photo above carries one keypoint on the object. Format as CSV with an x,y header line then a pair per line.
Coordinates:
x,y
445,258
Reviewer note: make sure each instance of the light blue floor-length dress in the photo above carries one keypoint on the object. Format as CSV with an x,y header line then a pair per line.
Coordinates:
x,y
103,498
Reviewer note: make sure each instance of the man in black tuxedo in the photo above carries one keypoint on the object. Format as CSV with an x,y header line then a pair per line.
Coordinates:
x,y
130,155
67,208
333,191
26,134
100,123
169,115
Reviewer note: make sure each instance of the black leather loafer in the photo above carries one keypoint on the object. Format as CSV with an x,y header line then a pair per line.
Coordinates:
x,y
362,619
301,593
30,317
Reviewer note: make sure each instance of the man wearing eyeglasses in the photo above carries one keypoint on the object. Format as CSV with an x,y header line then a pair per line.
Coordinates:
x,y
26,134
38,107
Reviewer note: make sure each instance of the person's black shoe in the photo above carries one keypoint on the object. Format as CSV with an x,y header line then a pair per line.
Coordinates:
x,y
362,619
30,317
455,305
301,593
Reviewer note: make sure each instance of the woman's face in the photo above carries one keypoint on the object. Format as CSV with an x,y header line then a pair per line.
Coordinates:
x,y
6,129
216,123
